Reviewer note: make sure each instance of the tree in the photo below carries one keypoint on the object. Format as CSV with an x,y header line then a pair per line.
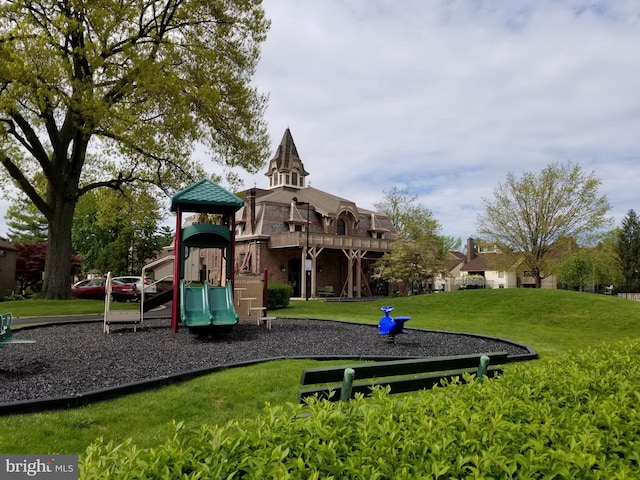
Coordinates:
x,y
536,215
419,252
26,224
117,233
591,268
628,251
30,264
124,91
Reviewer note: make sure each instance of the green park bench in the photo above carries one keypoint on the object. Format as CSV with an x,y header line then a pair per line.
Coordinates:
x,y
5,331
399,375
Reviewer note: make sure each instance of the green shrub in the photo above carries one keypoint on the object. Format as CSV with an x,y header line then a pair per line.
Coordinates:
x,y
573,418
278,295
11,298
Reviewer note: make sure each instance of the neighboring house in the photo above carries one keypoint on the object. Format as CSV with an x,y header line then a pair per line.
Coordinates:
x,y
455,263
330,255
7,268
486,260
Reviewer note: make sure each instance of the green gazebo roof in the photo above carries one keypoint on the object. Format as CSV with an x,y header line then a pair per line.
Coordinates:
x,y
206,196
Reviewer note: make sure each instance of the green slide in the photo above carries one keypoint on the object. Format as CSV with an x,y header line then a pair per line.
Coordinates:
x,y
205,306
221,306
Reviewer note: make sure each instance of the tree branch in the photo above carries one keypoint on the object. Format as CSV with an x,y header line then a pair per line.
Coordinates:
x,y
31,142
24,183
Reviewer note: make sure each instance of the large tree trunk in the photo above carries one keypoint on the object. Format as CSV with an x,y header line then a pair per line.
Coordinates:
x,y
57,274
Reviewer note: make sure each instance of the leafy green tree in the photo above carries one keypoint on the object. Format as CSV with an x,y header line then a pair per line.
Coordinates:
x,y
628,251
592,268
419,252
537,214
576,272
139,85
26,224
118,233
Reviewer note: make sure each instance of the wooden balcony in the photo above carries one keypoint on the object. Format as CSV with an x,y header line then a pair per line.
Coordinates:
x,y
299,239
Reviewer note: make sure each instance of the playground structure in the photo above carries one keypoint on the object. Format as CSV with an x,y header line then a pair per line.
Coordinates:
x,y
134,317
390,327
130,317
204,308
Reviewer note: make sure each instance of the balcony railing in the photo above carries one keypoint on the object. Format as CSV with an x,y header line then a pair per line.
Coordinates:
x,y
299,239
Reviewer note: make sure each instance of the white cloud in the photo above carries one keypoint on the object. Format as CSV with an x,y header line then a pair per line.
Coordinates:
x,y
446,97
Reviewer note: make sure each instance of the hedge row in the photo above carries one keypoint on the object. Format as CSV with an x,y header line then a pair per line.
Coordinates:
x,y
567,419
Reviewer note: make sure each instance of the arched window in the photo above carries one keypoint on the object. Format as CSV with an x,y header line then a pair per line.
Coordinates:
x,y
294,178
342,227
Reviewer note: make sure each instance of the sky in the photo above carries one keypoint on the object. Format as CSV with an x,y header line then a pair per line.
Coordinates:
x,y
445,97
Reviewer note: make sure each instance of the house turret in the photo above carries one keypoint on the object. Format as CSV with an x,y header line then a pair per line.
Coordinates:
x,y
286,168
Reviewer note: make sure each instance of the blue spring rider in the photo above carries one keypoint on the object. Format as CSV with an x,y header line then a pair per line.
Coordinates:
x,y
391,326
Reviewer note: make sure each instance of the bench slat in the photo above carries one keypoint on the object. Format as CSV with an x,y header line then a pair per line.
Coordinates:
x,y
335,373
397,385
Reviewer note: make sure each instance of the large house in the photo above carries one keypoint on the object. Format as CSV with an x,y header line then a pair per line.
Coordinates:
x,y
317,242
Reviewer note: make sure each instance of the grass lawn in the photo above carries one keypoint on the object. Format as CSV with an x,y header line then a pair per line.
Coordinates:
x,y
50,308
550,321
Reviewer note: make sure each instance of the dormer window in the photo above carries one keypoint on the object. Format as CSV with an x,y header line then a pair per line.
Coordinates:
x,y
375,230
297,222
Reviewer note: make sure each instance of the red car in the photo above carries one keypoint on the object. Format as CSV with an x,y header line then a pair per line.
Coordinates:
x,y
94,288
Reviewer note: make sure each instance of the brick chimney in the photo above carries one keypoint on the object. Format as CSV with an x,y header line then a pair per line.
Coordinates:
x,y
251,212
471,251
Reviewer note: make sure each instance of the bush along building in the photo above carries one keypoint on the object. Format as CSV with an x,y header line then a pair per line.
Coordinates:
x,y
320,244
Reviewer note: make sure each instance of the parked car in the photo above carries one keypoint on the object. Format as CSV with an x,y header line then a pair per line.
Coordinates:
x,y
149,289
94,289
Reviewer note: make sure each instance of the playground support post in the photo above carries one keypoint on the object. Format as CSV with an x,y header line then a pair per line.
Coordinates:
x,y
307,271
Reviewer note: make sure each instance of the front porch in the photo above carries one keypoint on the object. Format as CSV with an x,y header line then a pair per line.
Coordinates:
x,y
328,265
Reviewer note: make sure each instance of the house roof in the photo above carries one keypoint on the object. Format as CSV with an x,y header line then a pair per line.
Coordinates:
x,y
455,259
5,245
288,198
206,196
477,264
490,262
320,203
286,156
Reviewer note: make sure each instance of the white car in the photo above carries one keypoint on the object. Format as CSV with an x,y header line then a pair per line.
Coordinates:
x,y
149,289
